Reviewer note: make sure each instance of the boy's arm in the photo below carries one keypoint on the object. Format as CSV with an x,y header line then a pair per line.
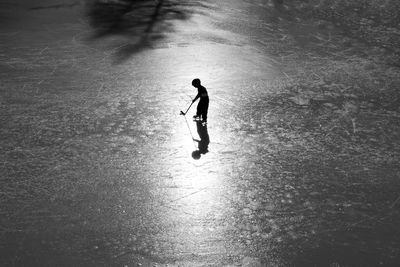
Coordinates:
x,y
197,96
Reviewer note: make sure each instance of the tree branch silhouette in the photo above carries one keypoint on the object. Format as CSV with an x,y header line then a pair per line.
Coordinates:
x,y
144,21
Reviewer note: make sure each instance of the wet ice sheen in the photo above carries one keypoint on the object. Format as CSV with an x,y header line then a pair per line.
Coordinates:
x,y
110,156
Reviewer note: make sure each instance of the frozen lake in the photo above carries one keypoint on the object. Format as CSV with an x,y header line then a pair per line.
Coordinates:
x,y
100,158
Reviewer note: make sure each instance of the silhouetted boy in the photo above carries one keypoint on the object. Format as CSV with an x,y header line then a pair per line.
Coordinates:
x,y
202,107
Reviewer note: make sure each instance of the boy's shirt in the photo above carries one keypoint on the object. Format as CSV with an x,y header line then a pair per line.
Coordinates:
x,y
202,93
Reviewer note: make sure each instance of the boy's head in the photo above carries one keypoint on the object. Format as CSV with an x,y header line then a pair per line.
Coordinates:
x,y
196,82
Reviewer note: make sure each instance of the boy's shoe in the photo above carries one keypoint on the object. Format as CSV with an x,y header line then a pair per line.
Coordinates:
x,y
196,117
204,123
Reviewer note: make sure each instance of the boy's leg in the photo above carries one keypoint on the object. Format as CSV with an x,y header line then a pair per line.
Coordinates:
x,y
198,111
204,110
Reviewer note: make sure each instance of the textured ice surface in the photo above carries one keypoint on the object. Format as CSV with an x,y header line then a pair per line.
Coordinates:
x,y
97,165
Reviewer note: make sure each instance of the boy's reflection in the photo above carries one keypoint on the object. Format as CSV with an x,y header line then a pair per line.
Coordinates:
x,y
203,142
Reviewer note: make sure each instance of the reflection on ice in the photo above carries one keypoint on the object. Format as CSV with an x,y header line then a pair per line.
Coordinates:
x,y
203,141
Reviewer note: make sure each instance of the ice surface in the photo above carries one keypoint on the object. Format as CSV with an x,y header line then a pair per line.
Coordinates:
x,y
97,165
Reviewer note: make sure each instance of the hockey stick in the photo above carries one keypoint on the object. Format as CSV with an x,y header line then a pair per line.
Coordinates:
x,y
184,113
